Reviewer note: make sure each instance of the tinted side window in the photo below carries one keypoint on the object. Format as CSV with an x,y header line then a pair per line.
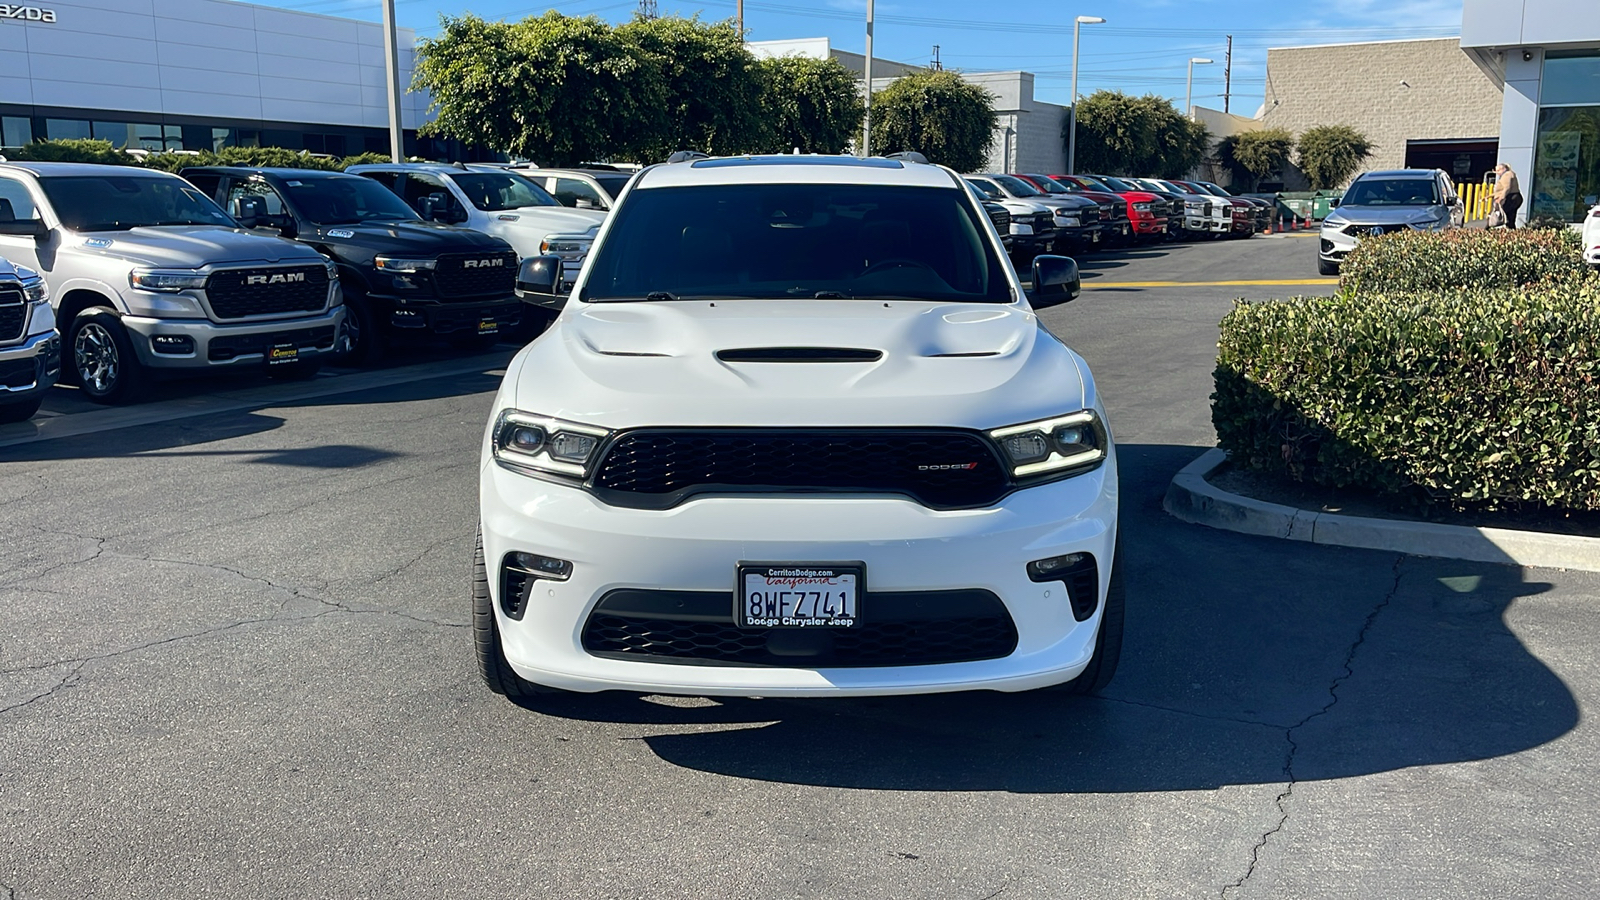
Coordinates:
x,y
242,194
15,199
570,190
416,187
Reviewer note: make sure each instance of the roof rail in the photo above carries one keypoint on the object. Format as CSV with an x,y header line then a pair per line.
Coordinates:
x,y
687,156
911,156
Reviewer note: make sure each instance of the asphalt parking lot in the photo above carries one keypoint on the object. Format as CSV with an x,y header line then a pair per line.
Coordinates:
x,y
235,661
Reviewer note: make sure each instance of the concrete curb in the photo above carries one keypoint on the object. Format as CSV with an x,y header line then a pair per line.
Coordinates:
x,y
1193,499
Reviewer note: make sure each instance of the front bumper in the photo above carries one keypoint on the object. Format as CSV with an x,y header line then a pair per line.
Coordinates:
x,y
233,346
457,319
696,546
29,368
1149,226
1334,245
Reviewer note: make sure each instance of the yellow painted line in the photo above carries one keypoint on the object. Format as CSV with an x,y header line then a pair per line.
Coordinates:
x,y
1095,284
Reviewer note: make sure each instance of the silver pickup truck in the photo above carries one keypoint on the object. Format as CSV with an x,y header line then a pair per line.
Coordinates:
x,y
30,349
147,275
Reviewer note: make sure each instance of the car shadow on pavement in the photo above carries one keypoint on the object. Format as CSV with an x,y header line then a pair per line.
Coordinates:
x,y
1247,660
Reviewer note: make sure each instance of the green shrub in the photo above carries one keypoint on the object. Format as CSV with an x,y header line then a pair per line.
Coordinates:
x,y
72,150
1458,399
92,151
1461,258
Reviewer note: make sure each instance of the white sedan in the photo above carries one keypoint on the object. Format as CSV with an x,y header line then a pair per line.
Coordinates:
x,y
798,431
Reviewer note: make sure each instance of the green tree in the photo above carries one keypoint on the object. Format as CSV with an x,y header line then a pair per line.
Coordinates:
x,y
712,84
1253,155
813,104
1330,154
938,115
553,88
1119,134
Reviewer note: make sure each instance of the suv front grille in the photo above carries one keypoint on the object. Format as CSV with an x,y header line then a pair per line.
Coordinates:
x,y
476,275
940,468
896,629
13,314
241,293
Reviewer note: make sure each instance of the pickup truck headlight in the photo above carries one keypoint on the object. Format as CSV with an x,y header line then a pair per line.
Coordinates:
x,y
1068,221
165,282
36,291
543,447
404,265
1141,207
559,246
1058,447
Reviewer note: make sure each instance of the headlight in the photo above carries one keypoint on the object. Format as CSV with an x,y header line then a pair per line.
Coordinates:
x,y
1141,207
165,282
333,270
1428,224
558,246
1068,221
403,265
1066,445
36,291
542,446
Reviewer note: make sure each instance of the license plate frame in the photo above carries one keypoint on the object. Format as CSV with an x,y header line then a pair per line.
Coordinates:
x,y
794,607
282,354
488,325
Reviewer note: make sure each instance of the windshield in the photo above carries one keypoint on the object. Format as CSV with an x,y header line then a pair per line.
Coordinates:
x,y
823,241
1116,184
1018,186
345,200
1048,186
1392,192
1091,184
496,191
1216,189
120,202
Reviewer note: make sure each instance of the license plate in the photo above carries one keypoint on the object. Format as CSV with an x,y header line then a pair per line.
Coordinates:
x,y
282,354
799,595
488,326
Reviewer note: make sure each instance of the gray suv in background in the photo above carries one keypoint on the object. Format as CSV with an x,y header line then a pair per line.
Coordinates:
x,y
1381,202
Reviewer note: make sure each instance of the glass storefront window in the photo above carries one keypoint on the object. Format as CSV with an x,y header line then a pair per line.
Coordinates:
x,y
1566,163
66,129
16,131
1571,77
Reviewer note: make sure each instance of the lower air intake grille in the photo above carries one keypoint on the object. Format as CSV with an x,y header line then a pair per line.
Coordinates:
x,y
659,468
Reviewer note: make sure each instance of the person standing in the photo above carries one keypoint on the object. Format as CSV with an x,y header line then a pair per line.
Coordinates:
x,y
1507,194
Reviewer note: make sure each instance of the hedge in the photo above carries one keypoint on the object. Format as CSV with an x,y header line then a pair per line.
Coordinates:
x,y
1461,258
1458,399
93,151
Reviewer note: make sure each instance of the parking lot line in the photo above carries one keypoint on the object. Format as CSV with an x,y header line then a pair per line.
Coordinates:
x,y
1290,281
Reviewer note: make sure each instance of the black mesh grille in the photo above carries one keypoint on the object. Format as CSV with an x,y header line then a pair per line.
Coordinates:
x,y
228,346
239,293
1001,219
658,468
19,373
13,314
476,274
897,629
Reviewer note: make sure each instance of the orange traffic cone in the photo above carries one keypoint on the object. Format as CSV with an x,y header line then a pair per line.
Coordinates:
x,y
1269,226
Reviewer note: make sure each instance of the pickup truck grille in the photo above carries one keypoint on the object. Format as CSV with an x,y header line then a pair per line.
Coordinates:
x,y
1089,215
13,314
657,468
275,291
475,275
1001,219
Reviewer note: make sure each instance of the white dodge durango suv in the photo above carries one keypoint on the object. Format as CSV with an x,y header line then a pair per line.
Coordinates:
x,y
798,432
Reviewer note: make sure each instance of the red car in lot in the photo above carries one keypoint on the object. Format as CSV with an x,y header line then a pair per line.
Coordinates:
x,y
1147,213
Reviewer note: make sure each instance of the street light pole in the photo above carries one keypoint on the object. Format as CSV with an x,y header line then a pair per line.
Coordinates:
x,y
866,123
391,61
1188,92
1072,111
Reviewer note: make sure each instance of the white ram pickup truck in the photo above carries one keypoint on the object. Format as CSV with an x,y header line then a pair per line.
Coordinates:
x,y
30,349
147,275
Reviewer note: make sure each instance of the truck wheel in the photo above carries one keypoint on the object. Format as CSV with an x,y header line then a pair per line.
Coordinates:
x,y
101,357
492,665
1327,268
1108,648
361,327
20,412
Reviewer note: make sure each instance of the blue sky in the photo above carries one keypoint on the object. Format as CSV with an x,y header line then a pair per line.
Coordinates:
x,y
1143,47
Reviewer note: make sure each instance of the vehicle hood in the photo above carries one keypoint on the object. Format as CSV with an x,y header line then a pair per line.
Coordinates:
x,y
552,219
189,246
1382,215
1022,207
972,365
426,239
1061,201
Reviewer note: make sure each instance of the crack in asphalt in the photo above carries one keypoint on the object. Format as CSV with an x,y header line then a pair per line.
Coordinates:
x,y
1287,793
420,556
99,550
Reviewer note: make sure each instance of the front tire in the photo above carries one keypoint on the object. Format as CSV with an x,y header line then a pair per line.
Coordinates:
x,y
101,358
362,330
492,665
1108,647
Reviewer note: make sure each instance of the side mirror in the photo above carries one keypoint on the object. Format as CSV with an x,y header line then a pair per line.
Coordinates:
x,y
1333,202
585,203
33,228
1055,281
285,225
539,275
426,207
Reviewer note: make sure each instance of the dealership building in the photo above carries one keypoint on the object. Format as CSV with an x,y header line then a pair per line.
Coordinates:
x,y
200,74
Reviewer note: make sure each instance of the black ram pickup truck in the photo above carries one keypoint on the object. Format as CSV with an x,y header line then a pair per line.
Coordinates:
x,y
398,274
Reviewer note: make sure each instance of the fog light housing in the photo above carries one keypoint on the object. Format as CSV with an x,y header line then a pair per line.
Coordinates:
x,y
1078,574
518,574
408,318
173,344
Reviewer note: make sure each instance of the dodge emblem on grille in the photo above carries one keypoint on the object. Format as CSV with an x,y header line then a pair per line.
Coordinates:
x,y
482,263
280,278
949,467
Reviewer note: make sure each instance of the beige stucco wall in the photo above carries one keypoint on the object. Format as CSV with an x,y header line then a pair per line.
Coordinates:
x,y
1391,91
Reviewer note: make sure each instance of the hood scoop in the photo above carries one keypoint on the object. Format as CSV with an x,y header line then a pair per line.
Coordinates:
x,y
800,355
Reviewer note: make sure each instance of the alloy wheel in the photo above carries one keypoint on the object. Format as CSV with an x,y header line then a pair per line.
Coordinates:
x,y
95,353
